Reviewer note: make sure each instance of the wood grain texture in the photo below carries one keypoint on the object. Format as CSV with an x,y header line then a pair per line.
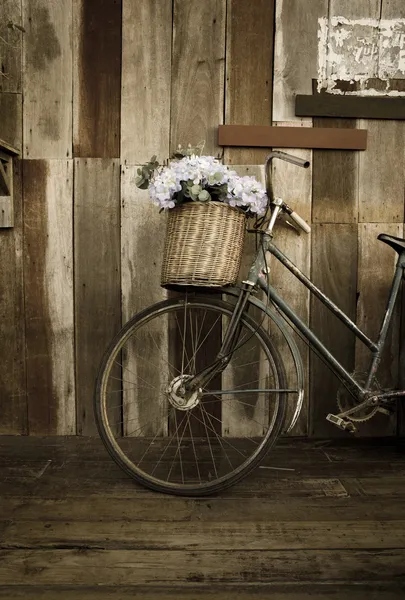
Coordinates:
x,y
97,77
295,591
392,9
249,66
330,105
142,239
375,272
295,53
47,69
334,271
11,119
294,185
130,567
335,188
361,9
13,399
197,89
97,275
382,173
237,417
292,137
401,411
205,536
48,291
10,46
146,77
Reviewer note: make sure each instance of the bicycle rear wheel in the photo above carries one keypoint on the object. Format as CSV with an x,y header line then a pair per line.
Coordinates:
x,y
221,432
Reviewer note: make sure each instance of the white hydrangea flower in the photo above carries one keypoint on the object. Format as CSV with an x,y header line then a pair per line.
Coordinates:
x,y
206,171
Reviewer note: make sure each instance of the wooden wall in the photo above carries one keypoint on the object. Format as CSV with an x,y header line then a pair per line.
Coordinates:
x,y
108,83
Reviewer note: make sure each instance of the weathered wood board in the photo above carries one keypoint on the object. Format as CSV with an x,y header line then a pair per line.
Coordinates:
x,y
330,105
292,137
97,251
295,53
334,271
135,567
97,77
335,189
10,45
146,77
197,87
381,173
249,65
48,292
294,185
142,228
13,399
375,272
47,71
11,119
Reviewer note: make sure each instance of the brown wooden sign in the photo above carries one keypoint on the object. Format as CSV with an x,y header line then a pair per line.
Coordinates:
x,y
292,137
356,107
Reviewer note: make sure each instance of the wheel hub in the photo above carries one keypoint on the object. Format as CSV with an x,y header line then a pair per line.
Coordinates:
x,y
177,394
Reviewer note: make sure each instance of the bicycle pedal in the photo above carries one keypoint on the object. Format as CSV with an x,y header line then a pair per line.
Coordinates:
x,y
341,423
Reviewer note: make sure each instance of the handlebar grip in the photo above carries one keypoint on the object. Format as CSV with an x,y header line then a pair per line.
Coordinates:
x,y
290,158
300,222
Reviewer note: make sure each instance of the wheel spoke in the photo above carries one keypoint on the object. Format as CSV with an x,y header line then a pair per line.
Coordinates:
x,y
189,450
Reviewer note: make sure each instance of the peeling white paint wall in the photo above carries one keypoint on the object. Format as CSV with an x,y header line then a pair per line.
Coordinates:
x,y
361,50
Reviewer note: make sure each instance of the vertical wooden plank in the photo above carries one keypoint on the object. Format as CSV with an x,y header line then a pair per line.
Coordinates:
x,y
145,127
248,101
294,184
295,62
295,53
47,69
361,9
11,119
334,270
401,413
382,173
10,45
96,77
142,238
335,189
376,268
146,76
48,291
13,398
249,66
197,97
197,104
97,274
237,418
394,9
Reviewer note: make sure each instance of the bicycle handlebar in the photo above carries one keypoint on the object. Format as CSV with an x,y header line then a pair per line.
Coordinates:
x,y
269,188
288,158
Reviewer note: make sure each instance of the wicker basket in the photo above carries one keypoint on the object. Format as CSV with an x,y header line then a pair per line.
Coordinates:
x,y
203,245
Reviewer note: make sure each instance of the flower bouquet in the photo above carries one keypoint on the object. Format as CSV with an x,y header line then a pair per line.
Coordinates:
x,y
193,178
207,207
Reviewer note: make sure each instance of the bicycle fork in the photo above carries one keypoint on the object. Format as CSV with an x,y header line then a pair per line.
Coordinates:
x,y
229,343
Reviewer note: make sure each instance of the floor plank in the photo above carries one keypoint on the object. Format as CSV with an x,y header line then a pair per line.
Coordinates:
x,y
319,520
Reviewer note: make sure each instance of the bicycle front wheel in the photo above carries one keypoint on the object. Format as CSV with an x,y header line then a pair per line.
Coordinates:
x,y
218,435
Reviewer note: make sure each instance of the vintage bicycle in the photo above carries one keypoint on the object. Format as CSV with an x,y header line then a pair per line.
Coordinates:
x,y
192,392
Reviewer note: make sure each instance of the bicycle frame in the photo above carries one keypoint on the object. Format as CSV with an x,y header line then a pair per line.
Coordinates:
x,y
257,277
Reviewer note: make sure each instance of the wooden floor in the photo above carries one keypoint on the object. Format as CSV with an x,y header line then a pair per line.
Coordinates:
x,y
320,520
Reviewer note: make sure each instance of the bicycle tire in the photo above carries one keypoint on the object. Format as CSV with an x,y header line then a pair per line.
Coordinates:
x,y
115,437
